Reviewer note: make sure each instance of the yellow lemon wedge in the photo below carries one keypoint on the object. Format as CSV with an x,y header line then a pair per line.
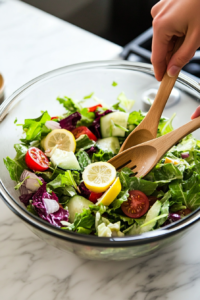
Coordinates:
x,y
109,196
99,176
62,138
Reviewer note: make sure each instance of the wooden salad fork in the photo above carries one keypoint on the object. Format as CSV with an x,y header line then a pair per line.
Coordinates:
x,y
142,158
147,129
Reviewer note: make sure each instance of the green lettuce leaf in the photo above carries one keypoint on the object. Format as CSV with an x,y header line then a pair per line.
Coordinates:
x,y
124,176
83,159
177,193
117,106
88,96
87,118
31,209
147,187
35,128
187,144
114,83
166,197
165,125
69,104
20,151
63,184
135,118
193,198
133,183
115,217
126,103
123,196
186,193
62,180
46,175
83,143
164,212
165,173
102,155
20,154
14,168
83,223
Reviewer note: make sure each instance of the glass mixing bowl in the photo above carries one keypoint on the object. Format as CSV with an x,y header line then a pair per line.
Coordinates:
x,y
77,81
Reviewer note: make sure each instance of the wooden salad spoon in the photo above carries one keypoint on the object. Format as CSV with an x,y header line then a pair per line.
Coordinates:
x,y
147,129
1,88
142,158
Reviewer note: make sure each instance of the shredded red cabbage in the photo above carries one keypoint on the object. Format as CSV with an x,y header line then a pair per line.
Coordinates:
x,y
172,217
70,122
38,203
91,150
25,198
84,191
95,127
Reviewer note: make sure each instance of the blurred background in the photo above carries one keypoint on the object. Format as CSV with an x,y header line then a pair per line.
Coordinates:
x,y
118,21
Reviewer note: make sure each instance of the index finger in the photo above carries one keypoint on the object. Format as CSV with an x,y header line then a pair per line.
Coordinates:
x,y
160,45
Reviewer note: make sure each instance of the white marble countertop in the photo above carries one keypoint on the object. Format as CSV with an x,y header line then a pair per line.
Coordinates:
x,y
31,43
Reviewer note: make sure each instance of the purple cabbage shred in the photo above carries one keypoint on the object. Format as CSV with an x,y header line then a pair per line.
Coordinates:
x,y
70,122
38,203
95,127
172,217
84,191
25,198
91,150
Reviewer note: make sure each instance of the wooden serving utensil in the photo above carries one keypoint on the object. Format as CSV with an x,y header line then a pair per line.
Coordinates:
x,y
142,158
1,88
147,129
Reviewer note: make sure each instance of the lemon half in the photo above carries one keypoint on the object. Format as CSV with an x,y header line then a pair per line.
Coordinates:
x,y
62,138
110,195
99,176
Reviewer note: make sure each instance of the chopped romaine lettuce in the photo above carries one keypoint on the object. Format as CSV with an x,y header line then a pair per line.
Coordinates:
x,y
83,143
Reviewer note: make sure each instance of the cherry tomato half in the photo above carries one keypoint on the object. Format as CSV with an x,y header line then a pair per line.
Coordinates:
x,y
54,118
83,130
93,108
136,206
94,196
36,160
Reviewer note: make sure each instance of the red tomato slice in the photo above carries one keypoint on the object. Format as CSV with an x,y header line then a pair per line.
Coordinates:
x,y
36,160
54,118
83,130
94,196
93,108
136,206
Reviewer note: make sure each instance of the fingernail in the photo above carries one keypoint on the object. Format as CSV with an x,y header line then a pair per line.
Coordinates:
x,y
173,71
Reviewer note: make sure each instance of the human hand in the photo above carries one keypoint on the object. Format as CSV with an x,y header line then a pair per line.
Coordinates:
x,y
174,18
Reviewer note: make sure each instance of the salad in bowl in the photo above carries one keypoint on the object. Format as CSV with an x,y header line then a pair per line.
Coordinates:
x,y
62,172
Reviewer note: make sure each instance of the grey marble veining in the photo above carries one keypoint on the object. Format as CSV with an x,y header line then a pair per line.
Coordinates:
x,y
30,269
31,43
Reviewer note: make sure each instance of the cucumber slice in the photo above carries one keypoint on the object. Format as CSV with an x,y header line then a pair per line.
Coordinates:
x,y
106,124
109,144
65,160
76,205
152,213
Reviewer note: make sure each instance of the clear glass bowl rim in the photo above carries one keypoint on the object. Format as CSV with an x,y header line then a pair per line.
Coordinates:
x,y
38,223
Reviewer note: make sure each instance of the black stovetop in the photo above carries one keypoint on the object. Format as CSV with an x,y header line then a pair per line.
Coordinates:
x,y
139,50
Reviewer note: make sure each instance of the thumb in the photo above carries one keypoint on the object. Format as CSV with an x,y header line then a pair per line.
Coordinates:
x,y
183,55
